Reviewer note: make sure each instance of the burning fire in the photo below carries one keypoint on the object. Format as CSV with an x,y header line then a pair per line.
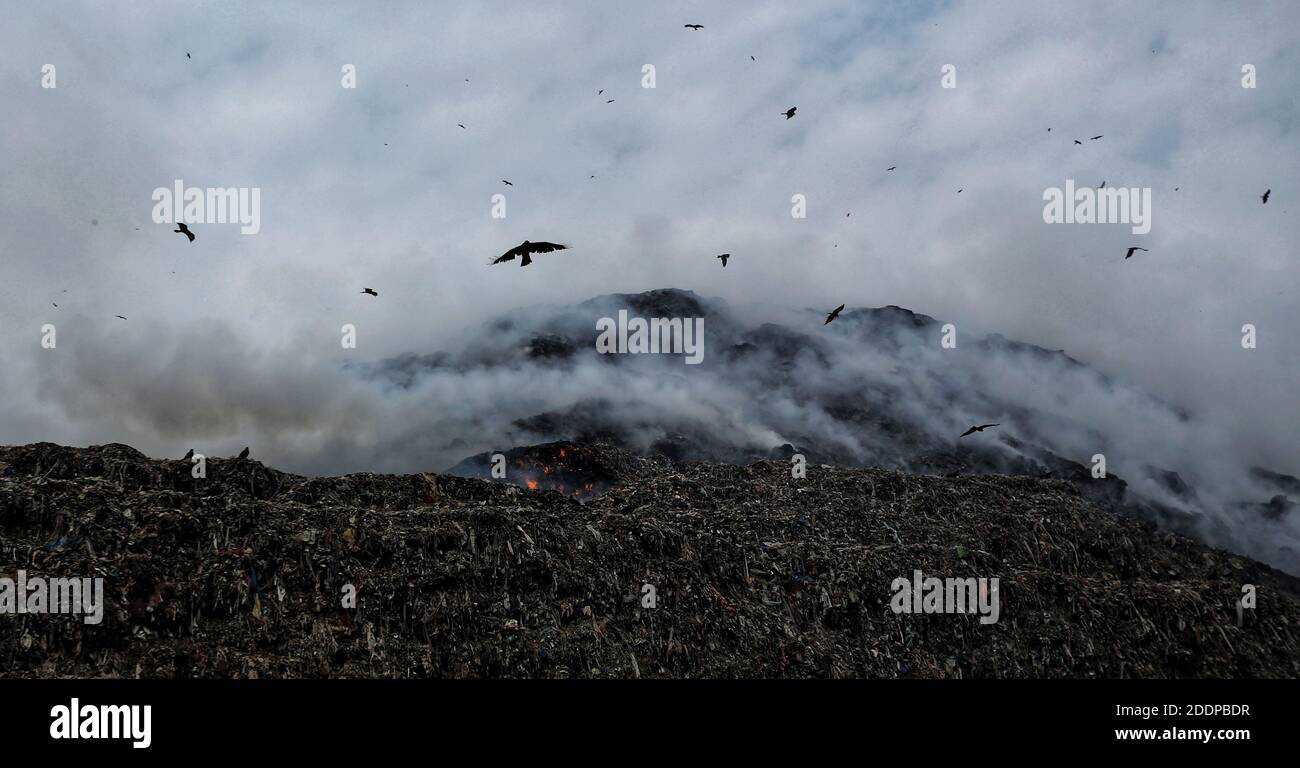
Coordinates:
x,y
532,485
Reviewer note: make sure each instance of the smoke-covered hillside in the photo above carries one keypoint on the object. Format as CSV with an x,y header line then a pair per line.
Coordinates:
x,y
876,387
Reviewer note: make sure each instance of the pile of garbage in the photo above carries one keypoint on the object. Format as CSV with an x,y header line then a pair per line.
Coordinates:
x,y
677,570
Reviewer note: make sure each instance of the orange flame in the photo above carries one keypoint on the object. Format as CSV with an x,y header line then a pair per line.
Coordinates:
x,y
532,485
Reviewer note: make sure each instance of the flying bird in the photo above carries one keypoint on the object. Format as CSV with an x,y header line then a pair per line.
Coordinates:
x,y
1103,185
724,257
611,101
834,313
462,125
602,90
979,428
1076,141
525,250
1134,248
892,167
187,55
751,58
959,191
370,291
1094,138
119,316
1264,196
184,230
188,455
789,113
696,27
244,453
508,184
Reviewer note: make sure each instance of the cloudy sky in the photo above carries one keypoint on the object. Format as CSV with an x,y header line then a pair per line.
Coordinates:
x,y
233,340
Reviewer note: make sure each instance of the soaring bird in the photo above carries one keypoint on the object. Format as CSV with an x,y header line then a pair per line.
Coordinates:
x,y
834,313
1134,248
184,230
724,257
244,453
462,125
1264,196
188,455
508,184
1103,185
525,251
119,317
979,428
892,167
789,113
610,101
1094,138
187,55
370,291
696,27
1076,141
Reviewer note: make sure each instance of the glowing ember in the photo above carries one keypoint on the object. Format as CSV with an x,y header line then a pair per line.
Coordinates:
x,y
532,485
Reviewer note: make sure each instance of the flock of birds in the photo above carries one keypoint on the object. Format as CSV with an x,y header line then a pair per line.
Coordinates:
x,y
525,250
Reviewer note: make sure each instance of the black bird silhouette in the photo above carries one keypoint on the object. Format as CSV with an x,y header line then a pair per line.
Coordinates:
x,y
611,101
188,455
1264,196
525,250
1134,248
751,58
789,113
892,167
508,184
187,55
370,291
1103,185
119,316
979,428
244,453
1076,141
1094,138
696,27
834,313
184,230
462,125
724,257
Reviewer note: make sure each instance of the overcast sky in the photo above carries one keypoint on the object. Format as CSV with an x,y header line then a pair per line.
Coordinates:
x,y
378,187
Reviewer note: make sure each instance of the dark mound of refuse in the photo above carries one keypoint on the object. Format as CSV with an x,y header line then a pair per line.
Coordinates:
x,y
678,570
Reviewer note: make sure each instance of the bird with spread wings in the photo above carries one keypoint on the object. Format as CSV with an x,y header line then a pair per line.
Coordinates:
x,y
525,250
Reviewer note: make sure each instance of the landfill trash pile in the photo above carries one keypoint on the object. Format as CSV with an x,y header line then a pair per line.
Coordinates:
x,y
677,570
